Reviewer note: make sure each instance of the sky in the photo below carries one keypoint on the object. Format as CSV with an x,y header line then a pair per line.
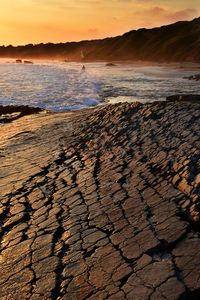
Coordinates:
x,y
36,21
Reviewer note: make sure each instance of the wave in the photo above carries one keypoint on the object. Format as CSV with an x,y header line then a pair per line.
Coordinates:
x,y
61,86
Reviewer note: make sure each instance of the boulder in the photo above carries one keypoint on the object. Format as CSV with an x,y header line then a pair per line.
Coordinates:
x,y
110,65
28,62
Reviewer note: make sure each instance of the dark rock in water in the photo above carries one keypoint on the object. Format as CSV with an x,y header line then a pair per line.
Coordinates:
x,y
18,61
110,65
193,77
25,109
13,112
184,97
28,62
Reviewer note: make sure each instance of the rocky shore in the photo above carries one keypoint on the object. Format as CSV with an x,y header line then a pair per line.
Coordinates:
x,y
12,112
101,204
194,77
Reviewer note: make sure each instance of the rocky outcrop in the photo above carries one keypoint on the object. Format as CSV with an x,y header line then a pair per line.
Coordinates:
x,y
101,204
184,97
193,77
12,112
28,62
110,65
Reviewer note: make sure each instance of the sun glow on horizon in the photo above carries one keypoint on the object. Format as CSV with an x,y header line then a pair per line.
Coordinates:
x,y
42,21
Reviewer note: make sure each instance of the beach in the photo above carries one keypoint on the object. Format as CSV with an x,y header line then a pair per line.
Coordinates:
x,y
101,203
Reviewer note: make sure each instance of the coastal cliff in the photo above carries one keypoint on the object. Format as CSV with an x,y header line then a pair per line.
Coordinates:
x,y
171,43
101,203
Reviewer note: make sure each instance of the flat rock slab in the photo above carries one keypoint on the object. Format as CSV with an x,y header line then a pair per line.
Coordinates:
x,y
101,204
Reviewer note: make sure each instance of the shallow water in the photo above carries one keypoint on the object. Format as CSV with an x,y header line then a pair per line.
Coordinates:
x,y
63,86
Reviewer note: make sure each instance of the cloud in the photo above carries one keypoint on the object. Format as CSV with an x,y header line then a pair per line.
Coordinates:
x,y
67,4
184,14
157,10
171,15
93,30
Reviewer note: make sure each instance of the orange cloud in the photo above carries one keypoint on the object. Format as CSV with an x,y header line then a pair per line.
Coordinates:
x,y
36,21
171,15
93,30
153,16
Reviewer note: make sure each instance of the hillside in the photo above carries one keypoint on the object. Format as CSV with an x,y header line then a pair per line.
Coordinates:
x,y
176,42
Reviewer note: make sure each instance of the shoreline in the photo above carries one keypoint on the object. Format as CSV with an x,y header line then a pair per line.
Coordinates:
x,y
137,62
9,113
103,87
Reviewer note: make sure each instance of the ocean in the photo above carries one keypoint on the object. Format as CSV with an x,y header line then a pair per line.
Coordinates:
x,y
61,86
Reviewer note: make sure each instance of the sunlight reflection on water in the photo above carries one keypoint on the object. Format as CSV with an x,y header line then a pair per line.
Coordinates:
x,y
63,86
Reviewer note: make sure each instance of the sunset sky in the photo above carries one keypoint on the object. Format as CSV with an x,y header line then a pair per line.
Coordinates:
x,y
36,21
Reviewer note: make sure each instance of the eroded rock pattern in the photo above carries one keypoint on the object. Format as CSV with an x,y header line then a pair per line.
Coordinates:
x,y
102,204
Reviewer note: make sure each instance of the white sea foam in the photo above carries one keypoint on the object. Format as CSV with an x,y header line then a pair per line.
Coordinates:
x,y
63,86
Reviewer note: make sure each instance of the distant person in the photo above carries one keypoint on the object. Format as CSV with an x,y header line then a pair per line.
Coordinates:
x,y
83,68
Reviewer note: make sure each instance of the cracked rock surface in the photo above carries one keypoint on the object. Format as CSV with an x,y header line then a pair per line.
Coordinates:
x,y
101,204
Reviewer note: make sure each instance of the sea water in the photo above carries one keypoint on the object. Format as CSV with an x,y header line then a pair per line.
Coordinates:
x,y
62,86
